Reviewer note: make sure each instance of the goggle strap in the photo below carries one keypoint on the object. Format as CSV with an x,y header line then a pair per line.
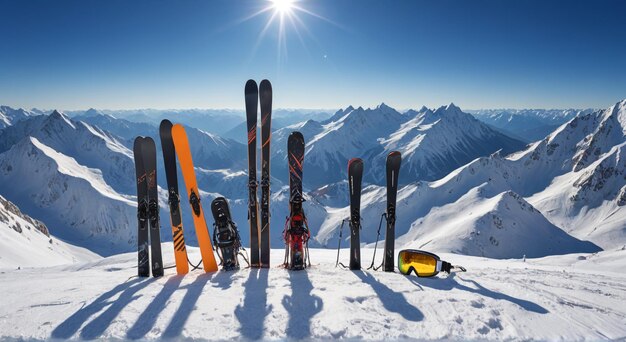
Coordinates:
x,y
445,266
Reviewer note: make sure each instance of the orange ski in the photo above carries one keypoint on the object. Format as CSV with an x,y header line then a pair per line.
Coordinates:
x,y
181,144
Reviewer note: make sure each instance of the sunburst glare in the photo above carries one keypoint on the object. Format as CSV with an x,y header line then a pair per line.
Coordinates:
x,y
285,15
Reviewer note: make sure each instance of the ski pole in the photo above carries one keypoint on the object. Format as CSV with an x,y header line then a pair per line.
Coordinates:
x,y
380,224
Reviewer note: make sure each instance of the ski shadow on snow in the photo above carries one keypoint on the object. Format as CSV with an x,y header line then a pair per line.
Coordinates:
x,y
301,305
98,325
251,315
450,283
391,300
224,279
186,307
147,319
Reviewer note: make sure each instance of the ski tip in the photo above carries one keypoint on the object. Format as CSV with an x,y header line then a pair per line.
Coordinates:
x,y
295,136
355,160
178,128
266,85
251,86
137,143
355,163
148,140
394,154
165,124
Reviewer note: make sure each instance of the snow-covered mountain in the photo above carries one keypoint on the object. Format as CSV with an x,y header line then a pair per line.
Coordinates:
x,y
211,151
88,145
26,242
433,143
528,124
216,121
574,177
503,226
9,116
585,152
123,128
72,198
280,118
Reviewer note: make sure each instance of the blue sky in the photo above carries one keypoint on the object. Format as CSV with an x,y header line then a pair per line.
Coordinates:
x,y
198,54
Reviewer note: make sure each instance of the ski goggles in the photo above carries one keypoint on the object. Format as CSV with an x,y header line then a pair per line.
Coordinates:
x,y
424,264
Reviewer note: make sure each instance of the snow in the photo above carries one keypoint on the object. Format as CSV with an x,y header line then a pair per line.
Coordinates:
x,y
572,297
25,242
73,199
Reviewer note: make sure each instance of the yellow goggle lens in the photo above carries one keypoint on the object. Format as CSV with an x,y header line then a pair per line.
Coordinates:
x,y
424,264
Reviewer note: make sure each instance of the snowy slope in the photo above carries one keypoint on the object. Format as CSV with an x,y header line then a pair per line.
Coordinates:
x,y
504,226
573,297
73,199
211,151
9,116
433,143
355,134
26,242
89,145
574,177
125,129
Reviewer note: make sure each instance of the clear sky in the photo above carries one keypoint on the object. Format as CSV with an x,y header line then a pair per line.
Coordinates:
x,y
116,54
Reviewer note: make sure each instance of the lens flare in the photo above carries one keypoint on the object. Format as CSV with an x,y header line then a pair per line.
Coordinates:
x,y
282,6
284,16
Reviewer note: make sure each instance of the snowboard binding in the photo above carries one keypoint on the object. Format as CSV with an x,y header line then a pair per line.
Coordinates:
x,y
226,237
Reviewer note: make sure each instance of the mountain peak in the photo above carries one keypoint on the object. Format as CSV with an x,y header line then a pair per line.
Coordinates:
x,y
91,112
449,110
57,116
382,105
452,107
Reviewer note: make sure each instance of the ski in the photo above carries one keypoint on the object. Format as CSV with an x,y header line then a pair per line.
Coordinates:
x,y
225,234
252,102
149,163
296,233
181,144
143,267
169,159
265,96
355,175
393,170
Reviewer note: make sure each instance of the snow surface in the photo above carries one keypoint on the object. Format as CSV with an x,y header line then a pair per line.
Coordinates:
x,y
572,297
27,242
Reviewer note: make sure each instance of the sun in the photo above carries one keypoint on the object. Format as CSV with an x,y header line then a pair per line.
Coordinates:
x,y
283,6
285,15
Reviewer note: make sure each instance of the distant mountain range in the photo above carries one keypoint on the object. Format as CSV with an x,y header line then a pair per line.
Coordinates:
x,y
527,124
466,186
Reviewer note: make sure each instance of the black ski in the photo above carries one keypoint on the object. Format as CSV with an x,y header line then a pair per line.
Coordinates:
x,y
252,103
355,175
296,232
265,96
393,170
225,234
149,162
169,160
143,265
